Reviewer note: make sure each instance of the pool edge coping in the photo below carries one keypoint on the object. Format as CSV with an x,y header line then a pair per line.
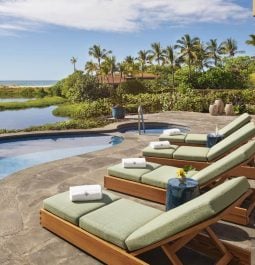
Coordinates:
x,y
116,127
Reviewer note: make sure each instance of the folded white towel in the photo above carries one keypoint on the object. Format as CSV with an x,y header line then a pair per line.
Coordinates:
x,y
134,162
160,144
174,131
85,193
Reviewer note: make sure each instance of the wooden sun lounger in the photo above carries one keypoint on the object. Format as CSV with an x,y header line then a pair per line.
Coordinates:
x,y
243,120
246,169
239,215
114,255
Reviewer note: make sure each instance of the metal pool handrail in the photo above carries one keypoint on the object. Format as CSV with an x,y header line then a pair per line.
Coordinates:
x,y
140,120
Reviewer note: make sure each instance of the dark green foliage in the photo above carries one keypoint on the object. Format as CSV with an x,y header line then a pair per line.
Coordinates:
x,y
41,93
56,90
214,78
150,102
133,87
88,109
199,101
161,84
79,87
23,92
71,124
28,93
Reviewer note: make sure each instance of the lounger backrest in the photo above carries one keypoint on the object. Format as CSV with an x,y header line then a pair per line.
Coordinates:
x,y
188,214
235,158
227,144
235,124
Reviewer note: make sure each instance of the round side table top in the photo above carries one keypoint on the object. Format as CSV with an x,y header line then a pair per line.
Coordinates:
x,y
188,183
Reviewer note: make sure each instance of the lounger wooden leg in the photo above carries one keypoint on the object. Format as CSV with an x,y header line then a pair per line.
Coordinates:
x,y
252,204
227,257
171,249
171,255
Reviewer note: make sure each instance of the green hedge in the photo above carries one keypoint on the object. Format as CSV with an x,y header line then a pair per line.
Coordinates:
x,y
71,124
87,109
24,92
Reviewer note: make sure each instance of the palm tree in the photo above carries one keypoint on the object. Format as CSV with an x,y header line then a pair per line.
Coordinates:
x,y
214,50
188,48
251,41
229,47
202,56
110,63
98,53
91,67
104,71
121,68
157,52
73,61
130,67
172,60
143,58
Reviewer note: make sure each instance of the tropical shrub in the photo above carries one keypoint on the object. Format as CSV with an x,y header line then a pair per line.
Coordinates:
x,y
88,109
79,87
213,78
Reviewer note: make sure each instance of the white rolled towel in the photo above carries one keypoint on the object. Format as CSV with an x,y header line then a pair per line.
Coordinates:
x,y
134,162
173,131
160,145
85,193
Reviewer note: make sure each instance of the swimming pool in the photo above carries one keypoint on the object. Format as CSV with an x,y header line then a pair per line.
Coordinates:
x,y
19,154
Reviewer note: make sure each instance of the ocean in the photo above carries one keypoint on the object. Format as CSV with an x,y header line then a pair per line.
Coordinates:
x,y
28,83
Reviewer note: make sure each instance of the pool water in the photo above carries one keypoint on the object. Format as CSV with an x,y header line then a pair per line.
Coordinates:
x,y
16,155
158,130
21,119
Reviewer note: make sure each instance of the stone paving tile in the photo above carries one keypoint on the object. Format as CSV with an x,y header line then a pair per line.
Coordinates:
x,y
23,241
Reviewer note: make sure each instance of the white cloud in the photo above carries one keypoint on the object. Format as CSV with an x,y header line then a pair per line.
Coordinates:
x,y
117,15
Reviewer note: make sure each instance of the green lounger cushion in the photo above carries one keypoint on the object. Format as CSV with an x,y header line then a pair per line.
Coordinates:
x,y
196,138
221,166
235,124
116,221
178,138
160,176
233,140
166,153
188,214
193,153
131,173
61,206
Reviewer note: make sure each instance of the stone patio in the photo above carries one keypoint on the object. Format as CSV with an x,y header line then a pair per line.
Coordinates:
x,y
23,241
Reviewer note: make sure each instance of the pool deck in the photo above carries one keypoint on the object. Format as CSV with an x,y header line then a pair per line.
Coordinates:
x,y
23,241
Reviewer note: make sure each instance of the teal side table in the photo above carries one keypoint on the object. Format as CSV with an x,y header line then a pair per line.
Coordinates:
x,y
180,192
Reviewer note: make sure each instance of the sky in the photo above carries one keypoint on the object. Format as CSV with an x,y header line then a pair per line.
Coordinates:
x,y
39,37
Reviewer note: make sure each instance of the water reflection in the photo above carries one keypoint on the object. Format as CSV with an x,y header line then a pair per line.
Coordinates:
x,y
20,119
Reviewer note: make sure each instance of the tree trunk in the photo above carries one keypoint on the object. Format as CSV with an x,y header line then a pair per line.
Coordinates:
x,y
173,78
189,63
